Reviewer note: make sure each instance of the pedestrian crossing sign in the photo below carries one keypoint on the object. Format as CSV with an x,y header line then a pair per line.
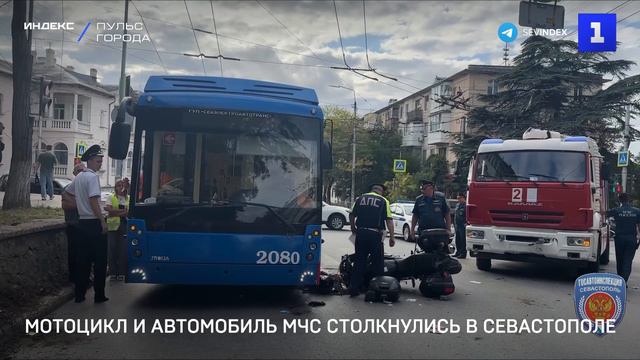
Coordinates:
x,y
399,166
623,158
81,147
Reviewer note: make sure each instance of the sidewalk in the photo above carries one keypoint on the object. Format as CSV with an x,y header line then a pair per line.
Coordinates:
x,y
36,201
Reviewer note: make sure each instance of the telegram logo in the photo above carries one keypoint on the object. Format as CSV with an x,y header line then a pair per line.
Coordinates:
x,y
507,32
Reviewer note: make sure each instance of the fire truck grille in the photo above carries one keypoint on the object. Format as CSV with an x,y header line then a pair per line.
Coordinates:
x,y
526,217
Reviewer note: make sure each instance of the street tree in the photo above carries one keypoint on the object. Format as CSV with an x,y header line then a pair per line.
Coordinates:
x,y
17,194
553,86
341,122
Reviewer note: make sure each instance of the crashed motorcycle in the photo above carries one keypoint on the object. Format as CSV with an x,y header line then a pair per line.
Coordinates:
x,y
429,263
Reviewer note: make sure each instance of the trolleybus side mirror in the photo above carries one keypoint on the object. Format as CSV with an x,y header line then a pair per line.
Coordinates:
x,y
326,156
120,130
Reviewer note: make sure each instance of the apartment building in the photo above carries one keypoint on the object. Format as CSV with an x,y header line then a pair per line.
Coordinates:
x,y
425,123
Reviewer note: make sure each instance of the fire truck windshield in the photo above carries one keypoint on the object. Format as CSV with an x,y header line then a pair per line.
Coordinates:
x,y
538,166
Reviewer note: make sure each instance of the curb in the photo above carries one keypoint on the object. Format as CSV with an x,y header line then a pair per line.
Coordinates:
x,y
45,306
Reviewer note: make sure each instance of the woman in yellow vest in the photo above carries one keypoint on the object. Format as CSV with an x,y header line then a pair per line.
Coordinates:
x,y
118,207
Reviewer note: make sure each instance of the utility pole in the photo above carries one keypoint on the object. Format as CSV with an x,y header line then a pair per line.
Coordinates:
x,y
353,154
626,146
121,87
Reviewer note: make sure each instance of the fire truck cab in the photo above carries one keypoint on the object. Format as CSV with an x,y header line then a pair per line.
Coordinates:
x,y
539,198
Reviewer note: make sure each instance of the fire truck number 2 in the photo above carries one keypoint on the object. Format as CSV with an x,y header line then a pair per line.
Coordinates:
x,y
516,195
275,257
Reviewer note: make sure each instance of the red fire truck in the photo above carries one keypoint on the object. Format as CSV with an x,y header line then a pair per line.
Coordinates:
x,y
539,198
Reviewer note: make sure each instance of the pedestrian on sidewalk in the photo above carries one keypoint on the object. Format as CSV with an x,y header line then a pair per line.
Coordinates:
x,y
45,163
118,208
92,244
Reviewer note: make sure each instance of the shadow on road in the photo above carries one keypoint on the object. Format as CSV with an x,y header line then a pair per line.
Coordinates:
x,y
537,271
227,297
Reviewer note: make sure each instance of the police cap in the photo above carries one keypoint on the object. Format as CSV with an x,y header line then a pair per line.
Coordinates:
x,y
94,150
426,183
384,188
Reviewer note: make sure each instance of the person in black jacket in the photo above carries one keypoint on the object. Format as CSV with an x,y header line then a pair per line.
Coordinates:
x,y
430,211
460,223
368,217
627,220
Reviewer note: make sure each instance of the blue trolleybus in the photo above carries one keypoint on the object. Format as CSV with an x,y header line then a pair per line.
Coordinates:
x,y
227,181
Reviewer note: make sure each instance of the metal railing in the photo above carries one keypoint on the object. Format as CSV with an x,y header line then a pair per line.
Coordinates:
x,y
60,170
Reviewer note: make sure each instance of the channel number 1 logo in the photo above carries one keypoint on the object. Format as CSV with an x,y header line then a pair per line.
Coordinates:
x,y
596,32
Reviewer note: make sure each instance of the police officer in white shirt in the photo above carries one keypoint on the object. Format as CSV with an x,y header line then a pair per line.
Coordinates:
x,y
92,242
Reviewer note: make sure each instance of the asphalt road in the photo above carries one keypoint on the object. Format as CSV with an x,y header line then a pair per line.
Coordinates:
x,y
511,290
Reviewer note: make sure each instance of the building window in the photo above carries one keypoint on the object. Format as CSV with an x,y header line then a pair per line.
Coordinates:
x,y
79,112
577,92
433,151
463,125
424,155
58,111
435,122
442,152
406,109
61,152
103,119
401,111
418,105
492,89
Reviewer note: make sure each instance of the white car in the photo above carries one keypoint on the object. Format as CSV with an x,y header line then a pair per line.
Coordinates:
x,y
401,213
335,217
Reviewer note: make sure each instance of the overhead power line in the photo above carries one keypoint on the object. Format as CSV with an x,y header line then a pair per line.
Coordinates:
x,y
215,28
195,37
344,57
149,34
624,3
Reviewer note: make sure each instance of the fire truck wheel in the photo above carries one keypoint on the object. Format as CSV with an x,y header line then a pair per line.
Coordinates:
x,y
483,264
604,258
593,267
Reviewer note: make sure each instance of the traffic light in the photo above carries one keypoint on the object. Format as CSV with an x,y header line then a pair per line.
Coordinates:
x,y
45,96
618,188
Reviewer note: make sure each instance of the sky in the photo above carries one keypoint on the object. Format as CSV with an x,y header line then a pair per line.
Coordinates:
x,y
297,42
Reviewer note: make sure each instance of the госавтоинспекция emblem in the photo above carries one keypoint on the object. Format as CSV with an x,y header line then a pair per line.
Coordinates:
x,y
600,297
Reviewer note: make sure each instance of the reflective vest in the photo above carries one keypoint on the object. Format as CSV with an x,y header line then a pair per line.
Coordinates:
x,y
113,222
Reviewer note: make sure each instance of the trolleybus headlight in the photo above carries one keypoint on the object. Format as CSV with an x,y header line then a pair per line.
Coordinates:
x,y
134,242
315,233
133,228
309,257
313,246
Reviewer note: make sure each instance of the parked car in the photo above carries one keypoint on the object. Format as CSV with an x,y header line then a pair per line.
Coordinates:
x,y
402,213
58,185
335,217
34,185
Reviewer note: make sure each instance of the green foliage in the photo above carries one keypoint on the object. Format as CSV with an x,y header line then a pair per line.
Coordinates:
x,y
552,86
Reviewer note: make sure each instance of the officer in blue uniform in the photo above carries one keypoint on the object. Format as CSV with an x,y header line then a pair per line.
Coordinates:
x,y
460,224
627,220
368,217
430,211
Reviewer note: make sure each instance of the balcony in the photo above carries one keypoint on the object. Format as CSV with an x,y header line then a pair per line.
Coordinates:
x,y
62,124
60,170
414,116
412,135
437,137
